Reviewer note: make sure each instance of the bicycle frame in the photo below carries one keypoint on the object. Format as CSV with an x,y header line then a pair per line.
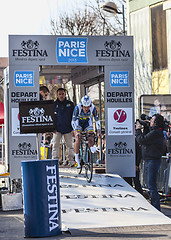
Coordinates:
x,y
86,158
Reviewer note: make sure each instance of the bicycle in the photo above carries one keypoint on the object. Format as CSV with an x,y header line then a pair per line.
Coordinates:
x,y
85,154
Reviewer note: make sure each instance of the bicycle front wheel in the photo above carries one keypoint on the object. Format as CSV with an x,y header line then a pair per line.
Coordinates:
x,y
89,166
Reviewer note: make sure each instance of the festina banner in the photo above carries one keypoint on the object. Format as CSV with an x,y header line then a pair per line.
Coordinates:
x,y
37,116
42,215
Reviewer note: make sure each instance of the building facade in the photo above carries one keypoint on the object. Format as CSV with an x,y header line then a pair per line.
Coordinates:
x,y
149,21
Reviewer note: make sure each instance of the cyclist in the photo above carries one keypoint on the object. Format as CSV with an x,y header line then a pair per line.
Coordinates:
x,y
82,121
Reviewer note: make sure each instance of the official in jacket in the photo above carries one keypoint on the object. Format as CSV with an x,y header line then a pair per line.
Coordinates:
x,y
63,116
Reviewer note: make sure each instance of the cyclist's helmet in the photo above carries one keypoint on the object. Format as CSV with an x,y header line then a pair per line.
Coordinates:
x,y
86,101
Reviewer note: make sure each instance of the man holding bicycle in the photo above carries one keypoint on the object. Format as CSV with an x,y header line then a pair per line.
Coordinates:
x,y
82,121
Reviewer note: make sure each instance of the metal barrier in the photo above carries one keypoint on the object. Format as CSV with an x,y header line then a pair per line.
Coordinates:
x,y
163,175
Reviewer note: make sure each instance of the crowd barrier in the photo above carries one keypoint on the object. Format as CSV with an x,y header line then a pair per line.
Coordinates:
x,y
163,177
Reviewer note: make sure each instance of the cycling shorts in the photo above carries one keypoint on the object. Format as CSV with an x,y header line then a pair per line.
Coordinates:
x,y
85,125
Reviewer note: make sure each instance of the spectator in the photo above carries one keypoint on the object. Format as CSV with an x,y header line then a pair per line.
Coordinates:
x,y
169,140
63,116
165,113
152,149
156,108
44,91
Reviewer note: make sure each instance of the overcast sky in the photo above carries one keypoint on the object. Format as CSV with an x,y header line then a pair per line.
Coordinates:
x,y
29,17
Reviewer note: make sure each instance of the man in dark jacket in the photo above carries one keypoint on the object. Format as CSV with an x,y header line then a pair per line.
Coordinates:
x,y
152,150
63,116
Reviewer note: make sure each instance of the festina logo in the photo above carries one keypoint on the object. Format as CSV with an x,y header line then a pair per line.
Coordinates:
x,y
37,116
120,148
112,49
29,49
52,197
24,149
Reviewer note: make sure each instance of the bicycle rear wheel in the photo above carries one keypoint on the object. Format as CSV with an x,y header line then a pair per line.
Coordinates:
x,y
89,166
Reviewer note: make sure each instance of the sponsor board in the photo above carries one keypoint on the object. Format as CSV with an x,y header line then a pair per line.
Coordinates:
x,y
37,116
21,96
119,79
105,206
119,97
24,78
72,50
120,149
91,50
24,150
46,191
29,50
113,51
52,197
120,121
15,126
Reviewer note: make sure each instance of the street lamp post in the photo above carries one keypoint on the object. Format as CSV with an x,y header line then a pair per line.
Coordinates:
x,y
111,8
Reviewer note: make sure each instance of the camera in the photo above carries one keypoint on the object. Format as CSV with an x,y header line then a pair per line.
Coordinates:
x,y
145,120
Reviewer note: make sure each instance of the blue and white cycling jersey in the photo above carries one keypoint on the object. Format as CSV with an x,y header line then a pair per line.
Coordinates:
x,y
83,121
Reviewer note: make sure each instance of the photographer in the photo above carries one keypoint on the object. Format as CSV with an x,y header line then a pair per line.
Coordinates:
x,y
152,142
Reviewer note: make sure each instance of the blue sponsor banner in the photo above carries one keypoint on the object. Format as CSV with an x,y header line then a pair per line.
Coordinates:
x,y
24,78
119,79
72,50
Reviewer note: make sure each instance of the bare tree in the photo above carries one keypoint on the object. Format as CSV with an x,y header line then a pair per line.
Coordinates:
x,y
88,22
79,23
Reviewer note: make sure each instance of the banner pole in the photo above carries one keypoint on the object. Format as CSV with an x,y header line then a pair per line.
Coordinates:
x,y
38,135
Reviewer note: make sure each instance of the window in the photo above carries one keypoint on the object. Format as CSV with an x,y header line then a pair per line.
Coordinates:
x,y
159,42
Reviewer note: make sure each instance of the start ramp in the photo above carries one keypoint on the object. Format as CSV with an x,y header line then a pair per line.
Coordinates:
x,y
108,201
